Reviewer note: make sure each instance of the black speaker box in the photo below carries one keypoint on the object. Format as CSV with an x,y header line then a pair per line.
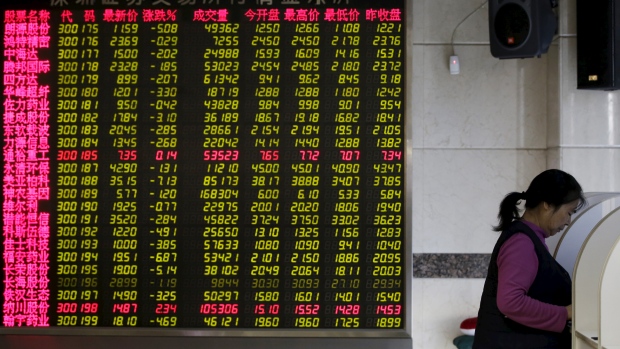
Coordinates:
x,y
521,28
598,40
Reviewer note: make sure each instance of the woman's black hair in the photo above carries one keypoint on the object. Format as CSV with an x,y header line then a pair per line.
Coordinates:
x,y
554,187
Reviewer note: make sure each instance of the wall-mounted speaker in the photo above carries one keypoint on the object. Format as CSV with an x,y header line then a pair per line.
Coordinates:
x,y
521,28
598,40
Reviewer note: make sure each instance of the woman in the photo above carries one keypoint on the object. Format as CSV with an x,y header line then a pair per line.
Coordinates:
x,y
526,301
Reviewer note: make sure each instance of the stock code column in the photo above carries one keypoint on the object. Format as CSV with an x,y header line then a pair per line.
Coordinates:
x,y
77,231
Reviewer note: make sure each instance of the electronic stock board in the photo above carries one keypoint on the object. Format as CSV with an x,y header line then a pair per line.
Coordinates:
x,y
205,167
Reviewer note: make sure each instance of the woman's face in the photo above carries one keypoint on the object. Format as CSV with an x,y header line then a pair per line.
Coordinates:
x,y
558,219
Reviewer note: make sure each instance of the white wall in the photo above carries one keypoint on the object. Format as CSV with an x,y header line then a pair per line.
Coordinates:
x,y
485,132
588,122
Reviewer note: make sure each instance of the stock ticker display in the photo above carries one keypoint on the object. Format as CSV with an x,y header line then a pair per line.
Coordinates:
x,y
204,166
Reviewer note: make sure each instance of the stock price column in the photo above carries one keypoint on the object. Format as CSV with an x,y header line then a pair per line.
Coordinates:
x,y
302,274
121,123
343,281
384,138
77,190
262,232
302,282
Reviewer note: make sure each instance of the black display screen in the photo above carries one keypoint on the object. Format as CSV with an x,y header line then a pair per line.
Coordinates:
x,y
171,164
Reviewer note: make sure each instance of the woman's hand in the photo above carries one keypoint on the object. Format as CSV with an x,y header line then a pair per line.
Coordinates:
x,y
569,310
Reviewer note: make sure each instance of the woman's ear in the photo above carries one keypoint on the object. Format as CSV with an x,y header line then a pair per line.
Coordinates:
x,y
547,207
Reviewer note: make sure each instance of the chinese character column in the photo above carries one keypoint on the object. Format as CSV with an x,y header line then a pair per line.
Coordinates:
x,y
25,181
